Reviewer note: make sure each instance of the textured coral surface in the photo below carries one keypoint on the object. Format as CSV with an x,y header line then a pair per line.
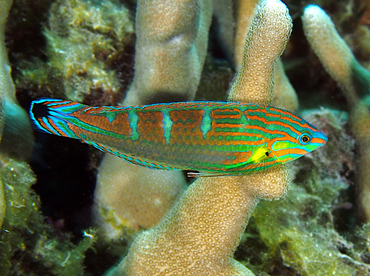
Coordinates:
x,y
90,51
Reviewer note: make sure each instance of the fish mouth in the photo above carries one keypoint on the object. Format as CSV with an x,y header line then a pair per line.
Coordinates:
x,y
320,138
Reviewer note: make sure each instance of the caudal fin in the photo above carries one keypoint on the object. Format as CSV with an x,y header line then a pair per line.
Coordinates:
x,y
53,115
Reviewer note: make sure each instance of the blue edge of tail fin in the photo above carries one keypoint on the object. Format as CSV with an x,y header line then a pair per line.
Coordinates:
x,y
39,110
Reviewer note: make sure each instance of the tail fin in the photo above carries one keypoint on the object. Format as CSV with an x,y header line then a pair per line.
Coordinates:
x,y
53,115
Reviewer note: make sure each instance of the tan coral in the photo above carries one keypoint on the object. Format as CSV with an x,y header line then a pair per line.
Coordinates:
x,y
223,12
202,231
284,94
170,49
354,80
200,236
244,16
331,49
170,53
265,42
127,197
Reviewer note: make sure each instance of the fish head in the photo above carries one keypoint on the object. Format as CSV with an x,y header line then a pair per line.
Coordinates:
x,y
296,141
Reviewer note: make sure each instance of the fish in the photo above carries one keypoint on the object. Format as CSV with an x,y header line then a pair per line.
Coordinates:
x,y
203,137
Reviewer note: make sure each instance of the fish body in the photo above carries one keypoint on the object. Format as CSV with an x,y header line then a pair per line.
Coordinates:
x,y
215,138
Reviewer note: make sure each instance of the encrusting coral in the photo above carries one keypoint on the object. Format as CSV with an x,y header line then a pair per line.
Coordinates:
x,y
170,51
201,233
354,80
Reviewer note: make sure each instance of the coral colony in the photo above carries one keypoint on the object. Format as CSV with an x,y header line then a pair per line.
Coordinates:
x,y
146,221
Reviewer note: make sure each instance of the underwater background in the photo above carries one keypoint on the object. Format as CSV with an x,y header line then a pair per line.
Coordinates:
x,y
67,208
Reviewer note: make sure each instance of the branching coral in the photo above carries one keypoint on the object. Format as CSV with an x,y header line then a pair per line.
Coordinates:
x,y
284,94
207,224
121,187
170,51
245,13
341,64
223,12
202,231
265,42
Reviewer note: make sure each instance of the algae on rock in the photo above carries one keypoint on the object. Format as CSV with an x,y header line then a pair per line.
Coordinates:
x,y
28,245
300,230
83,38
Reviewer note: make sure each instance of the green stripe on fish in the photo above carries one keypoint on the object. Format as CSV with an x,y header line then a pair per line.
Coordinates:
x,y
214,138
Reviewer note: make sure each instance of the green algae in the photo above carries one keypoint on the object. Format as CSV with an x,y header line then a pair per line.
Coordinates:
x,y
83,40
28,245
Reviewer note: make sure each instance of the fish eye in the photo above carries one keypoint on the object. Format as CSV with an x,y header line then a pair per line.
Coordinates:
x,y
305,138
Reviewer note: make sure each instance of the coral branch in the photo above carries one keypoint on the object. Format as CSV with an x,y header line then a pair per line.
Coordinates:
x,y
203,230
284,94
172,38
354,80
201,234
265,42
245,13
171,46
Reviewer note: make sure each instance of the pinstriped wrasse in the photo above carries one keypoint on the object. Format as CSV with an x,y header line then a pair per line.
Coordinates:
x,y
214,138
